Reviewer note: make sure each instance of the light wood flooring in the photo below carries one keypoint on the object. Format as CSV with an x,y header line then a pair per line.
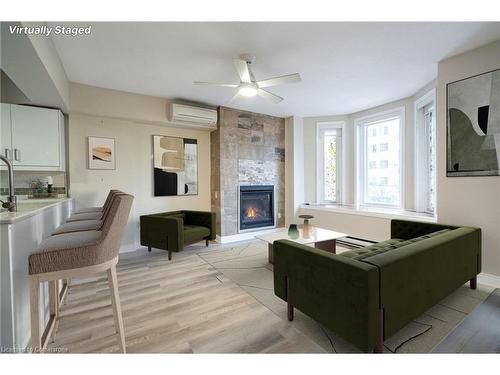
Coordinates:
x,y
179,306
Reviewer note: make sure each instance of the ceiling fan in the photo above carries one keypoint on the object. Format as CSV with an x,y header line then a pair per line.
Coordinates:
x,y
249,86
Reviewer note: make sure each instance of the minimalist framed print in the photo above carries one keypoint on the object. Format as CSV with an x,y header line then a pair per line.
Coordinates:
x,y
473,126
101,153
175,169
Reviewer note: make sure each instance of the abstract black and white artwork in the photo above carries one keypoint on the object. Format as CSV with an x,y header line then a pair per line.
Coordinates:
x,y
175,166
473,131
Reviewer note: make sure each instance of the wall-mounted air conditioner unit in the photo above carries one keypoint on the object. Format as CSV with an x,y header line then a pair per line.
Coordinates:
x,y
181,114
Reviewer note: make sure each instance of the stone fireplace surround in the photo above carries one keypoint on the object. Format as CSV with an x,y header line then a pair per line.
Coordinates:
x,y
246,149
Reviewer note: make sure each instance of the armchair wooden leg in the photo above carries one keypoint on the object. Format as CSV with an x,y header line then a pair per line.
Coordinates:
x,y
149,248
379,346
36,337
169,254
473,282
207,242
117,309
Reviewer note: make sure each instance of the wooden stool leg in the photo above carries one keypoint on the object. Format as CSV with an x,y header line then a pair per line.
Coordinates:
x,y
54,305
117,310
36,337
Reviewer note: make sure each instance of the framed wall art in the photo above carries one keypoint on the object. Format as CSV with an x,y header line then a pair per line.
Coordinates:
x,y
175,169
101,153
473,126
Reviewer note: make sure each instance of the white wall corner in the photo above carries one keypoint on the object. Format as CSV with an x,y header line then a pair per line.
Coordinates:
x,y
294,167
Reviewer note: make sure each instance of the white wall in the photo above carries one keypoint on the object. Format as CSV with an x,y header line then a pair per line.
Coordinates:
x,y
134,168
471,201
294,171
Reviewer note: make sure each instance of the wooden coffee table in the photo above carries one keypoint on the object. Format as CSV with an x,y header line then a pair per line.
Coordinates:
x,y
323,239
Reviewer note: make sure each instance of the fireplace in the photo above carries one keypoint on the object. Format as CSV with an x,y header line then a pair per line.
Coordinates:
x,y
256,207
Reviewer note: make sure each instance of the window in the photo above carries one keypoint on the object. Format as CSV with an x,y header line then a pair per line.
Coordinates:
x,y
373,148
425,154
329,161
379,175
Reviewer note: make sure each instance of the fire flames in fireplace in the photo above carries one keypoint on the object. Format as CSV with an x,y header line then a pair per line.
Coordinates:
x,y
251,213
256,206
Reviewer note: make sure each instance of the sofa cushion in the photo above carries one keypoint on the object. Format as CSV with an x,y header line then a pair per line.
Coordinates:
x,y
398,245
381,247
354,254
194,233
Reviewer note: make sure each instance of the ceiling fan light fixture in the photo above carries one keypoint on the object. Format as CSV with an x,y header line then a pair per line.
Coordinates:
x,y
248,90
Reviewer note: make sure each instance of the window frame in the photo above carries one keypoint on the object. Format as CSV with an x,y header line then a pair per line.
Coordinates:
x,y
320,165
420,145
361,153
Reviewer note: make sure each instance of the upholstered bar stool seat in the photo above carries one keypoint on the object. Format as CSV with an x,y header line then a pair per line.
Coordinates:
x,y
95,213
78,226
65,251
85,216
86,210
78,253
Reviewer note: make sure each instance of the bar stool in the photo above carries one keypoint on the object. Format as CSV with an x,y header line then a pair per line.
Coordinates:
x,y
78,254
94,215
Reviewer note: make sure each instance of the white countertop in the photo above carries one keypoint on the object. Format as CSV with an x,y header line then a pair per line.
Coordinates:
x,y
29,207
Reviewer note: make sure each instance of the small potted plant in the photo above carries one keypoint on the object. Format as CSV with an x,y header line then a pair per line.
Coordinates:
x,y
39,187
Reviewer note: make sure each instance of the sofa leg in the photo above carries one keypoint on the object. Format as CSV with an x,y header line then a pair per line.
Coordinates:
x,y
207,242
149,248
473,282
289,309
289,306
169,254
379,346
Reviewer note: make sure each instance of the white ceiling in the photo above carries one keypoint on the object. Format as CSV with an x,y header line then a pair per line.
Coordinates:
x,y
345,67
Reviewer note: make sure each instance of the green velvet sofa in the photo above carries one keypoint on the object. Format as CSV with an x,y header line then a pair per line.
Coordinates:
x,y
173,230
368,294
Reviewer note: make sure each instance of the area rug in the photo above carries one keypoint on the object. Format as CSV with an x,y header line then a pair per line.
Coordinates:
x,y
246,264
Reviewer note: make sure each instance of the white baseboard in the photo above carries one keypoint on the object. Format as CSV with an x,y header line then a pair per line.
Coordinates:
x,y
488,279
244,236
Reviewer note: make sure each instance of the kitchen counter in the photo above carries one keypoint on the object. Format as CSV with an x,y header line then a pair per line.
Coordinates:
x,y
20,234
29,207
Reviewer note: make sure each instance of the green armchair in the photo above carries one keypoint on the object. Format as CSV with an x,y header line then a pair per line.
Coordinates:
x,y
171,231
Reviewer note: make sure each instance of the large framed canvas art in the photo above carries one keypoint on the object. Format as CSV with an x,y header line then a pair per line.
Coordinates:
x,y
175,170
473,126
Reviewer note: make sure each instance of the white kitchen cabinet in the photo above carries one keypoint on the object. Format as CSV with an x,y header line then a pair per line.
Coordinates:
x,y
5,131
37,138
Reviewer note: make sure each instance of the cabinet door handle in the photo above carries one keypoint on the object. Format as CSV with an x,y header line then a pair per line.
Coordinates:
x,y
17,154
7,154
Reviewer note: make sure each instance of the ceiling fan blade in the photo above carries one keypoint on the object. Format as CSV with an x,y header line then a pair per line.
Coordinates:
x,y
290,78
215,84
267,95
242,69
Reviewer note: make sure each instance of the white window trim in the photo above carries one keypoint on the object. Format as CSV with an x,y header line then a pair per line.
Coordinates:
x,y
320,165
421,186
359,155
